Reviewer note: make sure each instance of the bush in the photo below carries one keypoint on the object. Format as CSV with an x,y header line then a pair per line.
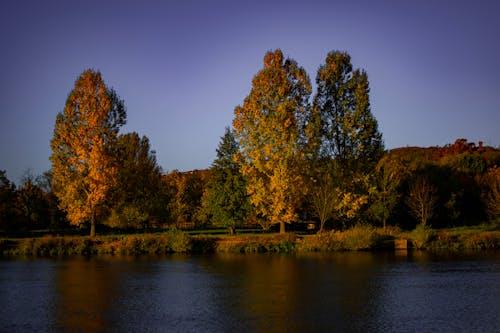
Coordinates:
x,y
421,236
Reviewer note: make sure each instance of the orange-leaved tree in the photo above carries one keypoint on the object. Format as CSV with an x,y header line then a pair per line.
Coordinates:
x,y
83,163
270,127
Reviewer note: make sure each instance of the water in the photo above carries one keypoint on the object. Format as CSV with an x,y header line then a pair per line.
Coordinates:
x,y
345,292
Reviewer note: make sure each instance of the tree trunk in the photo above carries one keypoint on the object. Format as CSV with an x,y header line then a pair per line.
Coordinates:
x,y
282,227
231,230
92,226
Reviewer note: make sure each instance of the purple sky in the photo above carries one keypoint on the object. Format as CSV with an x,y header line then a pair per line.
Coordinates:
x,y
182,67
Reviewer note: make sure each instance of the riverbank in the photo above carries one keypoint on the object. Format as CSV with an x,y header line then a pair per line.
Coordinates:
x,y
359,238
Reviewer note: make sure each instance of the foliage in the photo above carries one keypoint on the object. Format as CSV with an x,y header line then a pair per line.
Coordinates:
x,y
421,236
225,200
138,197
492,194
385,192
346,134
185,191
349,131
277,243
324,196
85,133
358,237
271,129
31,204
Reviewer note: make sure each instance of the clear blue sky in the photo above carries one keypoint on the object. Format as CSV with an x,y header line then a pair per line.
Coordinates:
x,y
182,67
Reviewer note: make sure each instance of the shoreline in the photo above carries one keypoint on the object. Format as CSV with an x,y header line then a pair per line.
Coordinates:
x,y
361,238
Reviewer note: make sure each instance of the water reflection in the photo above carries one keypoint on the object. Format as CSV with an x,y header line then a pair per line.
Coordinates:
x,y
350,292
85,290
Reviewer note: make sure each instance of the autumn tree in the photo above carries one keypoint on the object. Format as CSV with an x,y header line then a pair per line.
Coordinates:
x,y
347,131
225,199
270,127
422,199
138,197
83,163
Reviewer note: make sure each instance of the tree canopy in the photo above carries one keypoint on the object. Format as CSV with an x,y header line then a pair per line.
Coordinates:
x,y
85,133
270,127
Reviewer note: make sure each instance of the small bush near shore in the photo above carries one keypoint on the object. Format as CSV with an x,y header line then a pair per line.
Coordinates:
x,y
421,236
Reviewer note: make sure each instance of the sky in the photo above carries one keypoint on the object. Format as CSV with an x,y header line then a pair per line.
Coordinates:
x,y
183,66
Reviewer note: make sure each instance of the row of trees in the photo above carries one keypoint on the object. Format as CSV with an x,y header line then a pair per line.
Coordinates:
x,y
290,156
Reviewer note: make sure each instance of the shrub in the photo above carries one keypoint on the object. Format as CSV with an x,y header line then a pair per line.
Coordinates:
x,y
421,236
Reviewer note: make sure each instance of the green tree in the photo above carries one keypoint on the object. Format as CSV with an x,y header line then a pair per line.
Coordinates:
x,y
348,129
225,200
83,163
138,197
271,128
346,132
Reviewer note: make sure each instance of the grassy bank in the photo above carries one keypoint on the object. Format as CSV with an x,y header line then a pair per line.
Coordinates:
x,y
362,238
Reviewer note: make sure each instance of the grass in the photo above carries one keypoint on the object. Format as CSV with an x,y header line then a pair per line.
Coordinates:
x,y
358,238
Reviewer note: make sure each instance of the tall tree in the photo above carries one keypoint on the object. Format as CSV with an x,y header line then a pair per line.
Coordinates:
x,y
225,200
82,157
270,127
138,197
348,129
346,132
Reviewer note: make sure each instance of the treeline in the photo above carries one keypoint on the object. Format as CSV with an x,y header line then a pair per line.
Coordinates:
x,y
463,178
289,157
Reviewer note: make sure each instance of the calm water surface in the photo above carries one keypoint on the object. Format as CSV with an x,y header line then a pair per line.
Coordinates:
x,y
345,292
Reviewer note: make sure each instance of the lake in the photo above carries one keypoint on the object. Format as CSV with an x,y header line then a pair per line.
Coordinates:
x,y
339,292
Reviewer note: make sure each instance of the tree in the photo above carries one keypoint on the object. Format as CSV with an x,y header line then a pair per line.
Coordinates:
x,y
138,197
271,128
31,203
225,200
325,195
185,190
85,134
346,132
385,192
492,196
422,199
348,129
